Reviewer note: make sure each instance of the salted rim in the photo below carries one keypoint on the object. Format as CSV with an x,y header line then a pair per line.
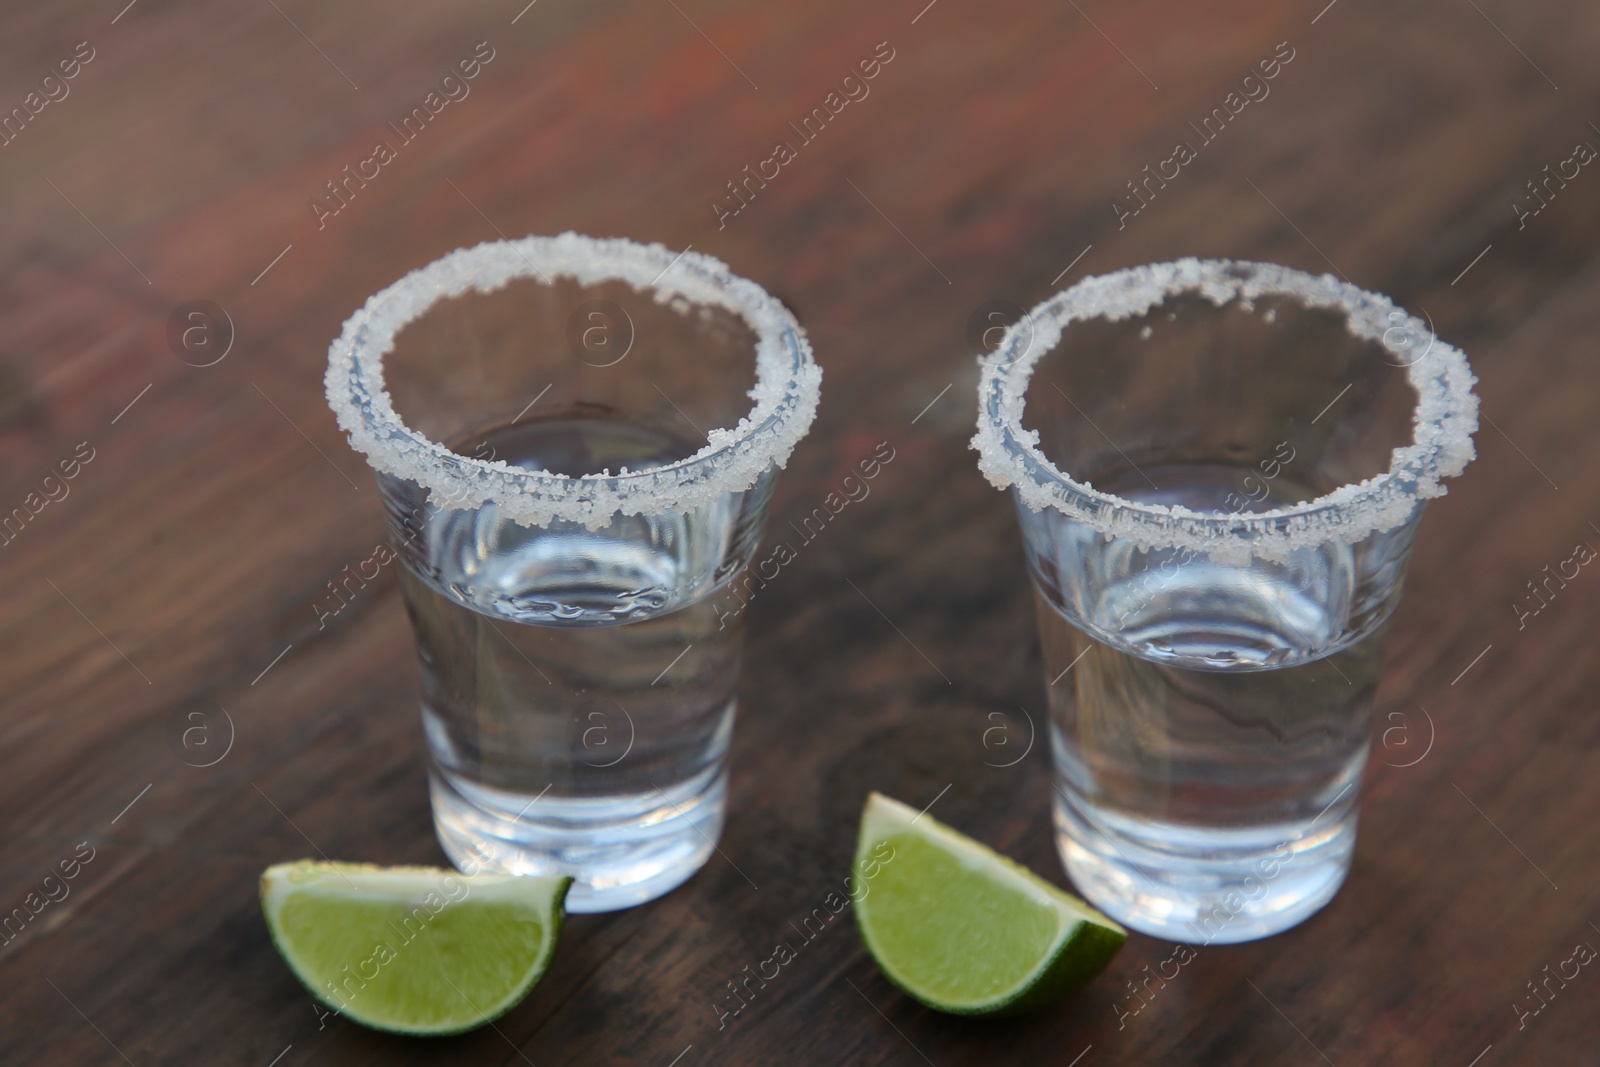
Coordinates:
x,y
1445,417
788,383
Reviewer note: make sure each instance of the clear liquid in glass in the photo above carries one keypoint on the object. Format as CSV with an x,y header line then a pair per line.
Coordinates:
x,y
1211,732
578,686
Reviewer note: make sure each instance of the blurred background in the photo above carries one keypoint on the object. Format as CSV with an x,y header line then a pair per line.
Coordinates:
x,y
167,158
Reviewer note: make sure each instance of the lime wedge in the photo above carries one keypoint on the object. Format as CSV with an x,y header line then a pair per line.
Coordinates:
x,y
962,929
413,950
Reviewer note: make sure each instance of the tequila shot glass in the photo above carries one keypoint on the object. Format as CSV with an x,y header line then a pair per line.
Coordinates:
x,y
1219,469
575,441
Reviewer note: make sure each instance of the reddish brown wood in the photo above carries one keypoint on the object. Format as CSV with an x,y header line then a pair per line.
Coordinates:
x,y
197,538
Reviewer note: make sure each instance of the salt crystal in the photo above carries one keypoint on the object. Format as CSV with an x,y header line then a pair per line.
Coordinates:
x,y
1443,421
785,396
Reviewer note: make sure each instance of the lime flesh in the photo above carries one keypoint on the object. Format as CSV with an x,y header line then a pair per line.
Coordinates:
x,y
961,928
413,950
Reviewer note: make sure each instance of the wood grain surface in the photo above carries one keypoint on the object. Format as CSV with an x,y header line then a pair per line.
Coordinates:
x,y
172,580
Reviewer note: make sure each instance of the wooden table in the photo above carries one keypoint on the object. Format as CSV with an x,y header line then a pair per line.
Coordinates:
x,y
172,585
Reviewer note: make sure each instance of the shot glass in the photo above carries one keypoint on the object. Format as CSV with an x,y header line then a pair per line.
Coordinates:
x,y
1218,468
575,441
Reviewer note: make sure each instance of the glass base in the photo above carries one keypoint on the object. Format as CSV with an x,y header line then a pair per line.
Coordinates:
x,y
619,850
1204,886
